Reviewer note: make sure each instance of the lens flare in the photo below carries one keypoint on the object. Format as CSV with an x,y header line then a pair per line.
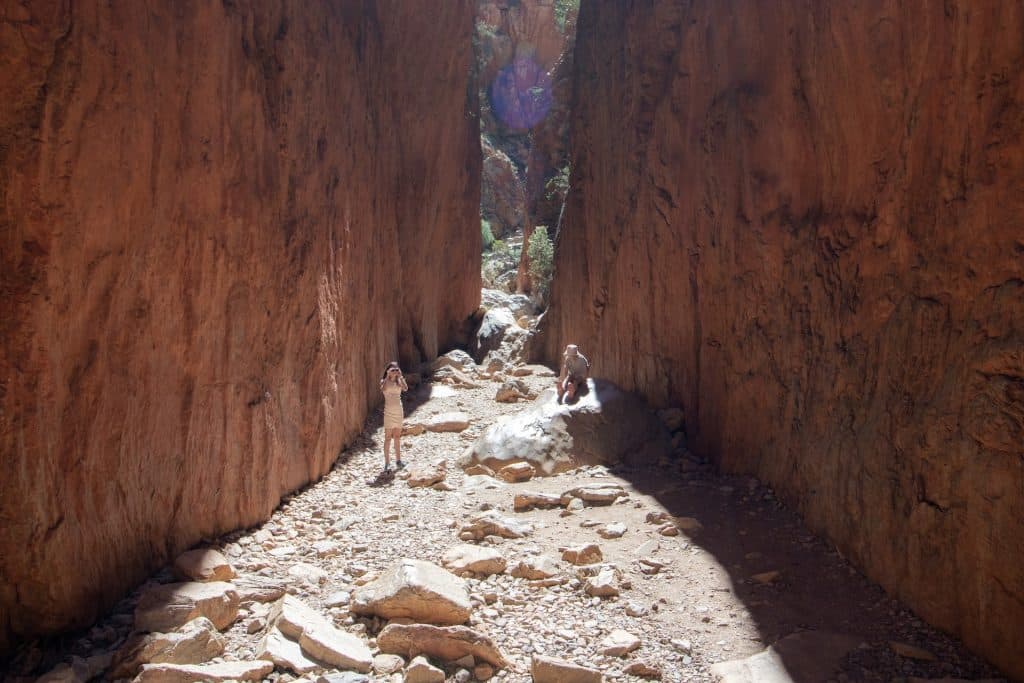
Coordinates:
x,y
521,94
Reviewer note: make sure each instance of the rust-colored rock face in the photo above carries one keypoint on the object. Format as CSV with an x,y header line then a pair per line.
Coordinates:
x,y
218,221
802,221
502,201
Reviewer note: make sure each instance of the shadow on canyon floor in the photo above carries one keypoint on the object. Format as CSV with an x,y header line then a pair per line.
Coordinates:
x,y
751,534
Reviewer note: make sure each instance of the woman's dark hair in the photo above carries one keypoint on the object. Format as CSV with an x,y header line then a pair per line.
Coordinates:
x,y
392,364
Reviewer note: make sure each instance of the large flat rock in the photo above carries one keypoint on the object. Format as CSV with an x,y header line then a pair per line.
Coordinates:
x,y
447,643
469,559
317,638
416,590
605,425
553,670
493,523
452,421
166,607
286,653
204,673
195,642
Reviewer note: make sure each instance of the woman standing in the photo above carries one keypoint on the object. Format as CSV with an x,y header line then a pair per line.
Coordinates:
x,y
392,384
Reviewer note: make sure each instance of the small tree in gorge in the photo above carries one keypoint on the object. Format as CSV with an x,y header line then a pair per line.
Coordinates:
x,y
486,236
541,253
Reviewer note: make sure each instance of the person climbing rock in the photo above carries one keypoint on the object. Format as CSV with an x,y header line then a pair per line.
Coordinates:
x,y
392,384
575,370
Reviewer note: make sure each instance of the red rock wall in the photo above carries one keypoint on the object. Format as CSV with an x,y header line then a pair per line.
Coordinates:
x,y
804,222
218,222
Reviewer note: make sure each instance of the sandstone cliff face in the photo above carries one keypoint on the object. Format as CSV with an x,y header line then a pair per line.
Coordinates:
x,y
802,222
502,200
218,221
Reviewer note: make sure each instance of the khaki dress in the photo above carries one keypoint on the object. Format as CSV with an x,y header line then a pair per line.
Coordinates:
x,y
393,414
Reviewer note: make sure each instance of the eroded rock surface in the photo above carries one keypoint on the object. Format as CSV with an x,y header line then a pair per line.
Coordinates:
x,y
800,222
603,425
417,590
169,606
447,643
188,230
195,642
204,673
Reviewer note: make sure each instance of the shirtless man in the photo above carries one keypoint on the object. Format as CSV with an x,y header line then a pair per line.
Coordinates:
x,y
575,368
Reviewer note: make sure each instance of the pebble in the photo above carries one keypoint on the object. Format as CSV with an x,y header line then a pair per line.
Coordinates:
x,y
613,530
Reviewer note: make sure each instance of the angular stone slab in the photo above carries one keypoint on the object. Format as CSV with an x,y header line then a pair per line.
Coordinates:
x,y
196,642
190,673
527,501
447,643
417,590
465,559
611,530
203,564
619,643
317,637
492,523
804,657
286,653
595,494
517,472
603,585
589,553
343,677
258,589
456,358
336,647
535,568
422,671
427,474
447,422
553,670
292,616
164,608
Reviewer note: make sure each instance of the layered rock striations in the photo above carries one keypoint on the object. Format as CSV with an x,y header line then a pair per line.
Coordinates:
x,y
801,222
218,221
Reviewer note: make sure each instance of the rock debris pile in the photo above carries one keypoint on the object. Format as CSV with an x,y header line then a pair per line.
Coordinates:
x,y
440,574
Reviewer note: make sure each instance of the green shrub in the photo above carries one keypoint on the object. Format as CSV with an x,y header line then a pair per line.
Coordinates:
x,y
558,185
499,250
564,9
542,261
486,235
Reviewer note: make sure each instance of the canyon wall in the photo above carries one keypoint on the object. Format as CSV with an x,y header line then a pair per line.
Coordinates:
x,y
218,222
803,223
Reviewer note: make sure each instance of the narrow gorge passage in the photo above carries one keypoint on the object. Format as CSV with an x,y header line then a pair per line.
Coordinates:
x,y
742,572
792,229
